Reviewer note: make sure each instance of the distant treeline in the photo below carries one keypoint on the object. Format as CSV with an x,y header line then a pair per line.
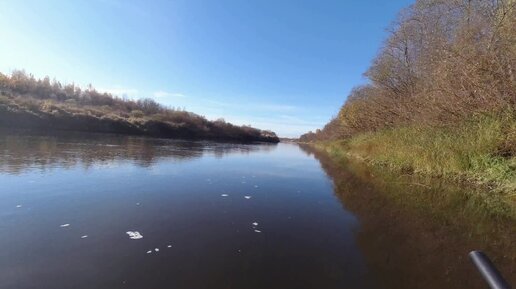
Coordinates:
x,y
44,104
445,61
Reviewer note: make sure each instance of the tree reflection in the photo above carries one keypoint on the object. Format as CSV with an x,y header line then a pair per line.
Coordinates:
x,y
415,232
20,152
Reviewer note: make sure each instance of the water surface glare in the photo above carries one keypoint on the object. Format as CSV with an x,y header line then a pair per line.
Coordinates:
x,y
125,212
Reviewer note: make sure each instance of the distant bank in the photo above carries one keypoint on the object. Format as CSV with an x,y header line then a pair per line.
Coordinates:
x,y
44,105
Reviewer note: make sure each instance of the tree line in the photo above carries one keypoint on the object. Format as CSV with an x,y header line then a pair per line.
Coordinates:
x,y
444,61
23,84
22,92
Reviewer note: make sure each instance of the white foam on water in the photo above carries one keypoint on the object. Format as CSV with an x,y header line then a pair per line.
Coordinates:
x,y
255,224
257,231
137,204
224,195
64,225
84,237
256,186
157,249
150,251
134,235
247,197
169,246
18,206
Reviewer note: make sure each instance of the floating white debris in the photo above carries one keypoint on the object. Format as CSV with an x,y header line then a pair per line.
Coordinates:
x,y
134,235
257,231
150,251
255,224
247,197
84,237
137,204
18,206
224,195
256,186
157,249
64,225
169,246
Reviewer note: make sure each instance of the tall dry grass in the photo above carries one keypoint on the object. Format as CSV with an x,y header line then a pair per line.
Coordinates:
x,y
476,149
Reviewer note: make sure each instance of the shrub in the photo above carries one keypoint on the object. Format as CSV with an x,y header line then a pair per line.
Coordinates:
x,y
443,62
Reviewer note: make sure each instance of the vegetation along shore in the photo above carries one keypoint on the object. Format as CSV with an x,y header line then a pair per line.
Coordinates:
x,y
440,99
45,105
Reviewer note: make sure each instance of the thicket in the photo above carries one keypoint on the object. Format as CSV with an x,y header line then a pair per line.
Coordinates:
x,y
23,92
444,62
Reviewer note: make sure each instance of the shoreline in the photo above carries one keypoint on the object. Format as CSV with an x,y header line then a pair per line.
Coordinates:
x,y
59,121
419,226
491,198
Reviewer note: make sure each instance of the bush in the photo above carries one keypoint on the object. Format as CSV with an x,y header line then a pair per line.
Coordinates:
x,y
444,62
43,96
137,113
467,149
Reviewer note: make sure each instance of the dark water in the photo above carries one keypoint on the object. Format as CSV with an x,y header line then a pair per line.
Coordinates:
x,y
171,192
416,232
67,203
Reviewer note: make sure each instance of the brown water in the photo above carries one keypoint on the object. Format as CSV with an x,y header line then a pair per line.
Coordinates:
x,y
220,216
416,232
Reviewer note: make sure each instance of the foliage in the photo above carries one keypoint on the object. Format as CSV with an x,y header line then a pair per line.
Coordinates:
x,y
444,61
23,93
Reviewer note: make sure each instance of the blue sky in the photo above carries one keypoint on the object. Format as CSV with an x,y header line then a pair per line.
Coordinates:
x,y
285,65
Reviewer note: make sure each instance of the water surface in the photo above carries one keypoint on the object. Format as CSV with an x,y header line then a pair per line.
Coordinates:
x,y
215,215
211,216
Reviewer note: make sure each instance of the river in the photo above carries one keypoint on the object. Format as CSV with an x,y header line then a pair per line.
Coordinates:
x,y
104,211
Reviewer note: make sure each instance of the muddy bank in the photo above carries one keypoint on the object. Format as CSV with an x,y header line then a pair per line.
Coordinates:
x,y
416,232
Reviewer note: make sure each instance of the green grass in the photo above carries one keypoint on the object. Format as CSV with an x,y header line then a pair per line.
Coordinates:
x,y
479,151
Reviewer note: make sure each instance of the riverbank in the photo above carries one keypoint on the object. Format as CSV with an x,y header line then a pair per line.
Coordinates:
x,y
53,117
478,152
41,105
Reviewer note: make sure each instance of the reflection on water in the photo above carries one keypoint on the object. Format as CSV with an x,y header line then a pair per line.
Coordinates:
x,y
21,152
416,232
100,211
122,212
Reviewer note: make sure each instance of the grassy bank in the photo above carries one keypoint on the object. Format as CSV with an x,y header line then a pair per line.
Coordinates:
x,y
478,151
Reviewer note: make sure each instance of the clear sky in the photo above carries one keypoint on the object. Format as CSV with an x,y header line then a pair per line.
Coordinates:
x,y
285,65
